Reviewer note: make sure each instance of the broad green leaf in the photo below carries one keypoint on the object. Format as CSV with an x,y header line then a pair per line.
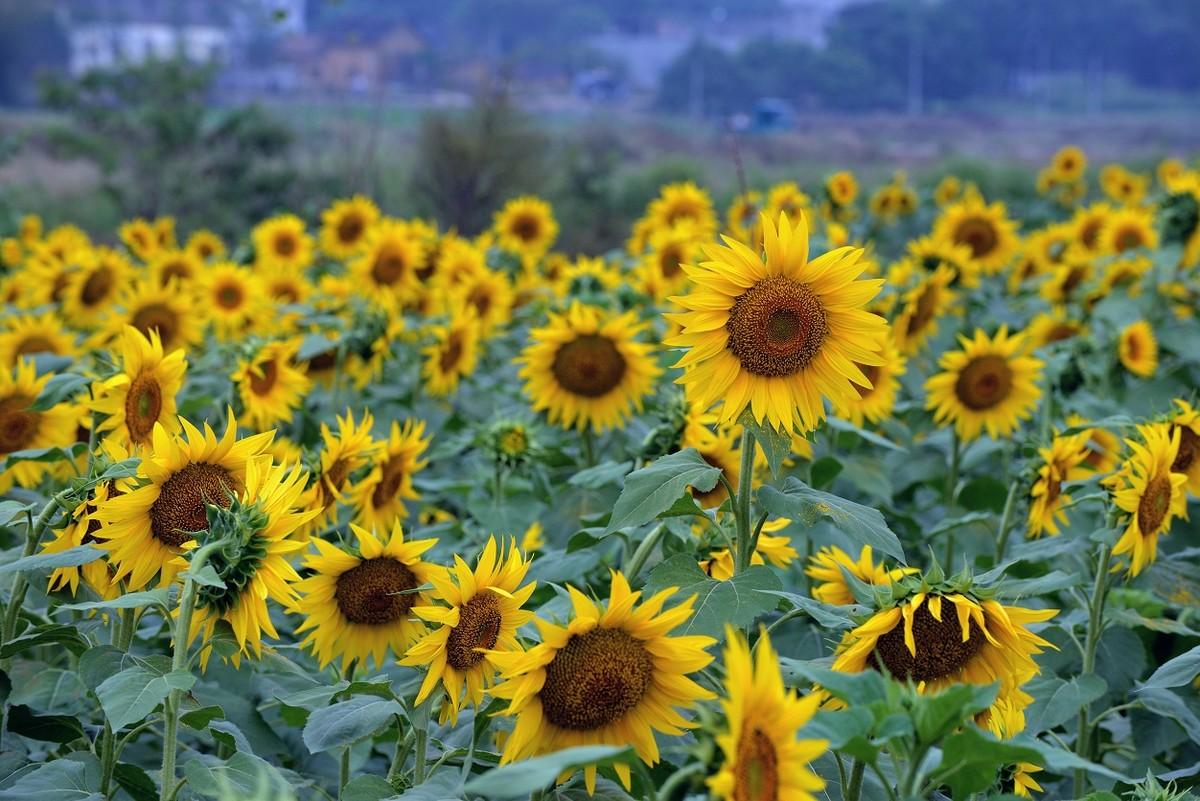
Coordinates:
x,y
348,722
738,601
50,690
14,511
59,780
971,760
46,562
522,778
132,694
367,788
824,471
1062,762
984,494
47,728
1040,585
241,776
46,634
864,525
827,615
1176,672
446,785
55,454
1167,704
838,424
653,489
1056,701
132,600
840,727
856,689
136,782
602,475
97,664
58,389
938,714
200,718
206,577
776,445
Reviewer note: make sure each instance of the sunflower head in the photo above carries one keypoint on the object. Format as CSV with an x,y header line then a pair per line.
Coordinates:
x,y
1150,492
526,226
1137,348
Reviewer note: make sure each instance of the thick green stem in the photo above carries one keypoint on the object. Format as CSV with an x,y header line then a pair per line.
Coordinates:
x,y
589,447
20,583
1095,627
403,743
745,536
1005,522
108,758
421,740
951,488
638,559
854,787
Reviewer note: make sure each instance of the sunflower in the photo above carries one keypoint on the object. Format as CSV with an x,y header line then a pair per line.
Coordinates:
x,y
457,260
985,229
284,285
481,615
830,565
924,304
526,226
176,267
358,605
149,307
142,395
670,249
30,228
344,453
931,253
385,272
490,293
1138,349
452,355
205,245
1186,420
282,242
679,202
586,369
787,198
91,291
1054,326
379,498
593,277
611,676
140,237
29,334
875,403
776,549
1151,492
1068,164
1062,461
1102,447
1066,279
1087,225
763,759
1129,228
81,529
147,529
233,296
777,335
24,428
270,385
841,188
989,384
256,567
947,190
1122,185
742,219
346,224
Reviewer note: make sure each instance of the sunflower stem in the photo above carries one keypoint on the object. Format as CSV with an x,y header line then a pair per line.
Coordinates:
x,y
677,778
1005,522
638,559
20,584
1095,627
951,487
589,447
742,503
179,662
108,758
421,739
854,788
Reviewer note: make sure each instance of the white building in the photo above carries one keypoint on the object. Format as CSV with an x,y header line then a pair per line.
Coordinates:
x,y
101,45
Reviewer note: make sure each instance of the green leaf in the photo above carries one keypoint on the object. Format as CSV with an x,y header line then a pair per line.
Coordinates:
x,y
984,494
46,562
206,577
132,694
776,445
972,759
738,601
59,780
864,525
937,715
348,722
840,727
199,719
839,424
1063,762
13,510
1167,704
45,634
522,778
58,389
1039,585
825,470
446,785
856,689
653,489
136,782
1056,701
241,776
367,788
126,468
132,600
827,615
54,454
1176,672
97,664
47,728
602,475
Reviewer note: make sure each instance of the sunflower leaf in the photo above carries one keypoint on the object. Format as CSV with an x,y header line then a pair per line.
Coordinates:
x,y
738,601
776,445
654,489
1056,701
348,722
529,775
60,780
241,776
58,389
46,634
971,760
45,562
1176,672
132,694
864,525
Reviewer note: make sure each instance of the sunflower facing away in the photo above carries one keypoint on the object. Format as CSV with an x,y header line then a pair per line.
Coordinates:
x,y
357,605
378,499
482,615
587,369
452,355
990,384
610,677
763,758
143,394
1137,349
345,225
526,226
1150,492
777,335
270,385
147,529
1062,461
826,568
23,428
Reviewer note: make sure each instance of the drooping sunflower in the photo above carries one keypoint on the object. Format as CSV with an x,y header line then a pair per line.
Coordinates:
x,y
984,228
233,296
378,499
149,307
142,395
346,224
452,355
27,335
1062,461
990,384
526,226
344,453
270,385
1150,492
777,335
586,368
481,615
763,758
924,305
147,529
92,290
875,403
611,676
358,605
489,293
830,564
23,428
1137,349
385,272
282,242
256,567
1186,420
1128,228
81,529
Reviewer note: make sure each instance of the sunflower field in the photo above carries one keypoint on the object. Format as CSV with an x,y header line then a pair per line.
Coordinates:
x,y
837,492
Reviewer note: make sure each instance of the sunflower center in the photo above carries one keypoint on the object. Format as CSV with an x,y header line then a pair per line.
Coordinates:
x,y
526,227
96,287
18,425
985,382
285,244
924,312
717,494
478,627
376,592
229,296
871,371
261,384
1127,239
978,234
349,229
1189,449
1053,490
776,328
671,261
589,365
941,651
513,442
1155,505
1090,232
35,344
176,269
390,481
333,479
285,291
157,317
143,404
451,352
481,299
595,679
1133,346
389,266
756,775
181,509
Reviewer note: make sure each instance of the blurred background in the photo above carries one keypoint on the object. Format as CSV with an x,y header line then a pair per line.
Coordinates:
x,y
222,112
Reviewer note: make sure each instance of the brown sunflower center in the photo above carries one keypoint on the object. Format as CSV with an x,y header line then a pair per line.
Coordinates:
x,y
1053,490
756,774
389,266
1089,232
481,299
478,627
181,508
716,495
391,479
230,296
350,228
1133,346
871,371
671,261
589,365
35,343
595,679
1189,449
157,317
978,234
96,287
180,270
452,352
985,382
526,227
262,383
143,404
333,479
285,244
18,425
285,291
941,651
1155,505
777,327
1129,238
924,312
376,592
